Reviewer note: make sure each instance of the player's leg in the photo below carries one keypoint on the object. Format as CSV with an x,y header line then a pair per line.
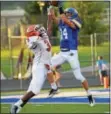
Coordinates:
x,y
55,61
38,77
54,88
50,75
51,79
101,78
56,74
105,78
57,77
74,62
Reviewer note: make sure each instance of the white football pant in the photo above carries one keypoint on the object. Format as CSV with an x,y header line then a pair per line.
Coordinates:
x,y
39,74
72,58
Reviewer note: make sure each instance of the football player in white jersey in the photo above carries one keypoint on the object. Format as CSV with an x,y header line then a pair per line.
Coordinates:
x,y
37,41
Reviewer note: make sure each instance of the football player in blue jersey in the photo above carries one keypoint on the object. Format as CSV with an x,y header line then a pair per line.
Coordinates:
x,y
69,25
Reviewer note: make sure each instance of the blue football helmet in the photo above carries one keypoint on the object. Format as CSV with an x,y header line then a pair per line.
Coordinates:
x,y
73,11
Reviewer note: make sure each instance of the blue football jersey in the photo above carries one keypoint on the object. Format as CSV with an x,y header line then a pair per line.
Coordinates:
x,y
69,36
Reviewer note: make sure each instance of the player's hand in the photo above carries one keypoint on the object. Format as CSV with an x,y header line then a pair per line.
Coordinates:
x,y
49,10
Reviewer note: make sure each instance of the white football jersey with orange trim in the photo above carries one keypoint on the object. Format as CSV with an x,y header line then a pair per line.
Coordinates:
x,y
40,46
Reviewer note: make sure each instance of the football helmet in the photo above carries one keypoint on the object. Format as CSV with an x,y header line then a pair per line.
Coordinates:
x,y
72,11
32,30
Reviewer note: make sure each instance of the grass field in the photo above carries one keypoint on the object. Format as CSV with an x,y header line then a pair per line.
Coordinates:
x,y
59,108
84,57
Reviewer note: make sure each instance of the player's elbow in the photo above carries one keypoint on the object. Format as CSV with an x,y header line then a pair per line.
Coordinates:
x,y
76,23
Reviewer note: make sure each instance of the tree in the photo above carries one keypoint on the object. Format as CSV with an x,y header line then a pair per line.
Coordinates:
x,y
33,13
31,9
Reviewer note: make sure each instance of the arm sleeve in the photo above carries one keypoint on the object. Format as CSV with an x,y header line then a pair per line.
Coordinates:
x,y
32,42
77,22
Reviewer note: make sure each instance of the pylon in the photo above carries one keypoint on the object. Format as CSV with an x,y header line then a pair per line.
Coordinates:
x,y
106,82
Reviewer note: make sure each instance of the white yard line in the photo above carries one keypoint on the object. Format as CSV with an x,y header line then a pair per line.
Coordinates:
x,y
65,94
108,112
42,104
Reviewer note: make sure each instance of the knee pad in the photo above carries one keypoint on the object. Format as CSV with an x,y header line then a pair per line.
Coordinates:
x,y
78,75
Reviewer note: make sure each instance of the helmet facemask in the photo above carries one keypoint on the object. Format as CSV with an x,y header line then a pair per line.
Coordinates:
x,y
68,15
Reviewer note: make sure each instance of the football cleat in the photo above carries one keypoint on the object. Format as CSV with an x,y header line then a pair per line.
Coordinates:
x,y
91,100
15,109
53,92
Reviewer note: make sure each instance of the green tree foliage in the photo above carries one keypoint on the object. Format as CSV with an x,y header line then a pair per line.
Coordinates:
x,y
91,14
31,9
34,14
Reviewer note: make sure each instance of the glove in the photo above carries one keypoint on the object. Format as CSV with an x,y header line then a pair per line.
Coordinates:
x,y
60,7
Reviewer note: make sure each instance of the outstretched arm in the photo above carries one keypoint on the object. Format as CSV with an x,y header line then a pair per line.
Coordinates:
x,y
67,21
72,23
49,23
61,17
53,16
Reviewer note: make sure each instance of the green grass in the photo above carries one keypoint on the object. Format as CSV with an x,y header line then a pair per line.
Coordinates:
x,y
84,57
58,108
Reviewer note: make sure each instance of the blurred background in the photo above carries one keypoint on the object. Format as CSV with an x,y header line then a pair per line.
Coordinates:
x,y
94,41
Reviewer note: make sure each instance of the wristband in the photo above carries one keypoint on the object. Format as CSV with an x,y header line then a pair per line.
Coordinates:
x,y
61,11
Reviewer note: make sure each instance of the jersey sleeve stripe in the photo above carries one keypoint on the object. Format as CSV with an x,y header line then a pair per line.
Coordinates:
x,y
77,23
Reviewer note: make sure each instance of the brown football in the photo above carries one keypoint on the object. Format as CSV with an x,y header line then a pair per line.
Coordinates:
x,y
54,3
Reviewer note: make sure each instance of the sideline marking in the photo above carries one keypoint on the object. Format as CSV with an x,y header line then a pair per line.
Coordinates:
x,y
56,103
58,100
108,112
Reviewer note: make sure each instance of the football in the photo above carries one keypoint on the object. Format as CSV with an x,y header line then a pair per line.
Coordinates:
x,y
54,3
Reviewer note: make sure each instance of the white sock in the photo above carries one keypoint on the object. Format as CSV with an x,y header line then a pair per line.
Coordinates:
x,y
53,85
88,92
18,103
